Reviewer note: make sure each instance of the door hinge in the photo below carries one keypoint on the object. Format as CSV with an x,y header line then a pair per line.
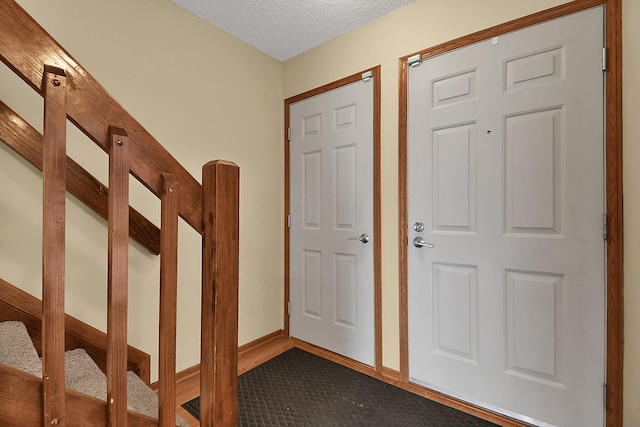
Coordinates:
x,y
605,227
367,76
289,221
289,134
414,61
604,395
289,308
604,58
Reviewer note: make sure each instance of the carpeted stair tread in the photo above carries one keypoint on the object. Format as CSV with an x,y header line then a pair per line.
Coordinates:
x,y
81,372
146,401
84,376
17,350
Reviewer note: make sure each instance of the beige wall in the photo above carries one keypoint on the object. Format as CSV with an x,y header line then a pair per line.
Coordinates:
x,y
426,23
417,26
204,95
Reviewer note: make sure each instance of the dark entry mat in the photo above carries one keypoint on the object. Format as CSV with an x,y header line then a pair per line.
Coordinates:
x,y
297,388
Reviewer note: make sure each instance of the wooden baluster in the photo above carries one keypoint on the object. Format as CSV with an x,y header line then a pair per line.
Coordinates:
x,y
53,243
117,294
23,42
220,254
168,301
27,142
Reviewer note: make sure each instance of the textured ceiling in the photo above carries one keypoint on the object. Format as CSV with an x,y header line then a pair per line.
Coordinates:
x,y
285,28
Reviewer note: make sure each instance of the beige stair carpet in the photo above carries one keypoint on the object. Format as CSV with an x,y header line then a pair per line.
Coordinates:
x,y
17,350
83,375
81,372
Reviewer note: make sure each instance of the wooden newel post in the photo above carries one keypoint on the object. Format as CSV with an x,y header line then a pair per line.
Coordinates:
x,y
220,256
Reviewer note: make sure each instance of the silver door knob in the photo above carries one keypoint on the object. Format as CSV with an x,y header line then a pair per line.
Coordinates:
x,y
364,238
419,242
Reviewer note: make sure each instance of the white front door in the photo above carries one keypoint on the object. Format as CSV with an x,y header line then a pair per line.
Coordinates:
x,y
331,236
505,172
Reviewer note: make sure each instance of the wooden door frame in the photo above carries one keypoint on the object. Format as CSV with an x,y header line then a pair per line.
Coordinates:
x,y
377,201
613,182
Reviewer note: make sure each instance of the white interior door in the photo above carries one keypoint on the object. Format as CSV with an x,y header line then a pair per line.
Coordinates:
x,y
331,236
506,173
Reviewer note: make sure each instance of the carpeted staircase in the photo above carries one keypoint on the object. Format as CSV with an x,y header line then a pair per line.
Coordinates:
x,y
81,372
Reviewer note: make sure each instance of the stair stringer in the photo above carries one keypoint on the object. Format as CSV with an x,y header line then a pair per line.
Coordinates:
x,y
21,404
16,304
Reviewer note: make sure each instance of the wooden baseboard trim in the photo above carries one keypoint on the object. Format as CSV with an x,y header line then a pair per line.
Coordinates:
x,y
261,350
262,341
461,406
391,374
250,355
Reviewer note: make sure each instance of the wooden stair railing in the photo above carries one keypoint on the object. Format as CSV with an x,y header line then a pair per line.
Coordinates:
x,y
21,393
211,209
18,305
25,47
26,141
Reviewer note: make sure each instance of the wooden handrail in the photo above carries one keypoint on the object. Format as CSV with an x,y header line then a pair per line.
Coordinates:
x,y
22,138
25,46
